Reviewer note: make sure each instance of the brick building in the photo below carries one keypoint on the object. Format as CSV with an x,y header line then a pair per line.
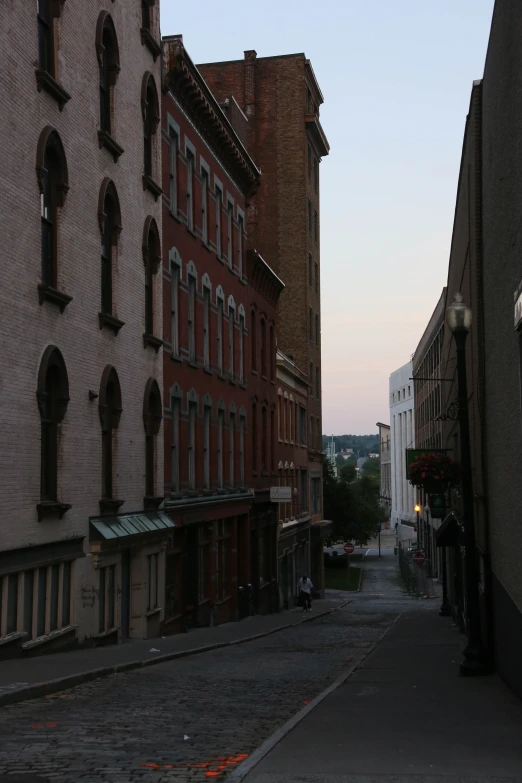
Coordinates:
x,y
219,361
81,417
280,97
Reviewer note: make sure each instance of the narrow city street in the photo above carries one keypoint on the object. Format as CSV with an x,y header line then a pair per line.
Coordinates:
x,y
198,717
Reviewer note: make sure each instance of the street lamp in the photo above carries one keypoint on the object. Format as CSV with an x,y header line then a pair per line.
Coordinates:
x,y
417,511
475,663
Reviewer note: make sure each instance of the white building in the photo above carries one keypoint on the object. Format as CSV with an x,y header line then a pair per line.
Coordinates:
x,y
402,423
385,456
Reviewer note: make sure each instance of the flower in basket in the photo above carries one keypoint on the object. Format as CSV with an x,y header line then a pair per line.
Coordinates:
x,y
434,472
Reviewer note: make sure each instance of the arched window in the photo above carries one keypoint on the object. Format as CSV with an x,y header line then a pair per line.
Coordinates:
x,y
53,397
151,258
109,62
254,437
47,12
109,408
109,218
147,25
272,356
152,415
263,346
53,181
151,115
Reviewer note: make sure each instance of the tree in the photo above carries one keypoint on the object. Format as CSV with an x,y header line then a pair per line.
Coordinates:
x,y
353,507
348,472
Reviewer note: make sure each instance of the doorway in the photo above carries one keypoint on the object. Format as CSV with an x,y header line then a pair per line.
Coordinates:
x,y
191,576
125,594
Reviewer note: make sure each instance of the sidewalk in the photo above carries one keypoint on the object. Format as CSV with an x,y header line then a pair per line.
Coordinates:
x,y
29,678
405,714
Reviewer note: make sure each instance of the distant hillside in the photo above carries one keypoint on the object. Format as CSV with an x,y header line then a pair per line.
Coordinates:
x,y
361,444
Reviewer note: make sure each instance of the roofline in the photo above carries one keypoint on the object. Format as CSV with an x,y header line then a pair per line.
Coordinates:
x,y
380,424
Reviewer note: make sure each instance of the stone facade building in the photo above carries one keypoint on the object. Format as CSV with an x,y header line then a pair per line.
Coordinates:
x,y
402,425
385,490
283,218
82,548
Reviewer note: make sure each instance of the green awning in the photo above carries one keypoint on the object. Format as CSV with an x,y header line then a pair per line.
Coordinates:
x,y
448,533
127,525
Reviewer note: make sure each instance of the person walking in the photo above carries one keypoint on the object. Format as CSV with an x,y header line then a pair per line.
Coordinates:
x,y
305,593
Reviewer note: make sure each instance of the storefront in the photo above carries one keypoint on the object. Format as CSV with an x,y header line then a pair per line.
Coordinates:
x,y
293,550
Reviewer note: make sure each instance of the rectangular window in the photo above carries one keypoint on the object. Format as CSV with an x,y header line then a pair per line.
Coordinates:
x,y
204,205
272,440
173,171
240,230
192,445
309,217
317,383
66,594
107,598
316,495
231,449
219,207
304,490
317,330
316,175
175,445
206,328
264,441
316,227
55,579
312,433
241,349
309,163
311,378
12,603
220,335
231,349
253,338
302,425
36,613
28,603
206,446
263,347
192,319
221,424
317,278
230,236
174,308
242,450
291,421
310,324
190,191
310,266
254,438
45,37
42,595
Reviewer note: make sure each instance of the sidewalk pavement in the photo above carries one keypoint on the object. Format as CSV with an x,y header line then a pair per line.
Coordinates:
x,y
405,715
30,678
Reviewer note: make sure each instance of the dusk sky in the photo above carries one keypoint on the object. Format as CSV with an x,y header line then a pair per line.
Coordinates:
x,y
396,79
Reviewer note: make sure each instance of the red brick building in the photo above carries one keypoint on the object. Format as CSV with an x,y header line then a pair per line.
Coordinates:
x,y
219,361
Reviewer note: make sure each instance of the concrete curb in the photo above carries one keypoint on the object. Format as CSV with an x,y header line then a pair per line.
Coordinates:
x,y
40,689
244,769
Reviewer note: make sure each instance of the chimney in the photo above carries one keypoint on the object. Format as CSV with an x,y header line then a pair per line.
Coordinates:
x,y
250,82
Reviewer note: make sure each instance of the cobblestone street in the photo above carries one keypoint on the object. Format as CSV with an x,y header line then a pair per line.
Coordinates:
x,y
196,718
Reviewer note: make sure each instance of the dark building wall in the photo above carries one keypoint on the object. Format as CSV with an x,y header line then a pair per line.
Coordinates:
x,y
502,146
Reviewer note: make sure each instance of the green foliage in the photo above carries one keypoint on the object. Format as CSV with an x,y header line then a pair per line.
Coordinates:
x,y
353,506
347,472
362,445
372,469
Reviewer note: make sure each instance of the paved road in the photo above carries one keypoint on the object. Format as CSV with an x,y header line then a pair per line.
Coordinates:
x,y
196,718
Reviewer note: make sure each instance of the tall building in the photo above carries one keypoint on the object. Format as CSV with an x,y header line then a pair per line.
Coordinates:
x,y
385,465
82,540
402,424
280,98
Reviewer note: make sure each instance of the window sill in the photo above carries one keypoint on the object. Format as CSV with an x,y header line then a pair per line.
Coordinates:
x,y
13,637
148,40
47,293
193,364
152,502
208,371
105,140
176,495
243,386
45,81
243,280
176,358
152,612
175,216
149,341
230,268
52,508
110,505
151,186
192,232
232,382
254,372
110,322
105,634
224,600
264,377
221,376
206,246
49,637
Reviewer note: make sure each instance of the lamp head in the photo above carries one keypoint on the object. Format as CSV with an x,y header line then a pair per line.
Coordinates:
x,y
417,508
458,315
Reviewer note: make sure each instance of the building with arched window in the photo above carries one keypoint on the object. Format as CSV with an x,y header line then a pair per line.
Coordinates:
x,y
82,544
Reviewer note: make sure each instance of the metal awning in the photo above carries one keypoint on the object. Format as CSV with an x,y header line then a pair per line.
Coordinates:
x,y
448,533
322,529
126,525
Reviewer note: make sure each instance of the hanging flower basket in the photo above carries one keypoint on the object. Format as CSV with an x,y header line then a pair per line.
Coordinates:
x,y
434,473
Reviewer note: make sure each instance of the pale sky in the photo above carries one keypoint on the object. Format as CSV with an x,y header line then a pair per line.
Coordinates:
x,y
396,76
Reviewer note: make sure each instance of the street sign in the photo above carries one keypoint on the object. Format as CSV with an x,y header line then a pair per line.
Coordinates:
x,y
280,494
419,557
349,547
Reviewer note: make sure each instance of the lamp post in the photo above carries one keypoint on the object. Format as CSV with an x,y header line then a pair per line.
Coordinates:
x,y
475,663
417,511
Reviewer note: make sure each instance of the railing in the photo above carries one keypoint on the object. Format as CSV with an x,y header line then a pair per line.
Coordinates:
x,y
414,576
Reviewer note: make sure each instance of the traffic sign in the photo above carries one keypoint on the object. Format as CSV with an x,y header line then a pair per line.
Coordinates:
x,y
419,556
349,547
